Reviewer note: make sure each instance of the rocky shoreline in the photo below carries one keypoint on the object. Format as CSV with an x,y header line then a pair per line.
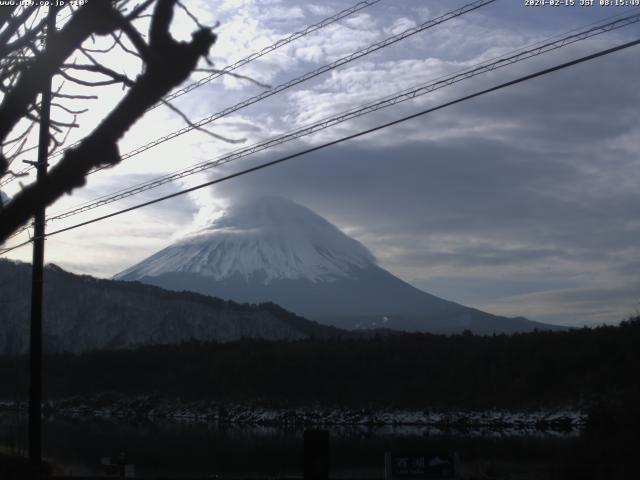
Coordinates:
x,y
154,408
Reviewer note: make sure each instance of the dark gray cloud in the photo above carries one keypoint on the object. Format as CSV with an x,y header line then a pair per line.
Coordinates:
x,y
547,182
523,202
478,256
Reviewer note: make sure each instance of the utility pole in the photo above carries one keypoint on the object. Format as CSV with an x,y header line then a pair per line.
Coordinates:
x,y
35,342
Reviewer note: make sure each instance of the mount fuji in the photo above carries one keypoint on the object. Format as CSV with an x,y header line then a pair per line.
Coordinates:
x,y
272,249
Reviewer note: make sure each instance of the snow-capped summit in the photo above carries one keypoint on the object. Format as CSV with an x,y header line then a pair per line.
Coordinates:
x,y
273,250
268,238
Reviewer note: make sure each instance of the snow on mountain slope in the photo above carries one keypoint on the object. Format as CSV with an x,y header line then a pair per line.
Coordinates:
x,y
272,237
273,250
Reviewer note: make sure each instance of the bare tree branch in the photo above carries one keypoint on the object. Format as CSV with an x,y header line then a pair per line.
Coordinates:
x,y
190,15
201,129
234,75
6,14
14,23
135,38
75,97
93,17
100,50
168,63
125,48
96,68
19,137
137,11
30,35
69,110
17,174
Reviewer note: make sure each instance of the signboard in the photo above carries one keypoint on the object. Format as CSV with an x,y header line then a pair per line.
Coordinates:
x,y
421,466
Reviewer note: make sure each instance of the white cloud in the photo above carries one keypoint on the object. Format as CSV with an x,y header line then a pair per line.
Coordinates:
x,y
556,217
400,25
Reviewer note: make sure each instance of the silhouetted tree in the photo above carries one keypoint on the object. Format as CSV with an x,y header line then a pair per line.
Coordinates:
x,y
592,369
27,62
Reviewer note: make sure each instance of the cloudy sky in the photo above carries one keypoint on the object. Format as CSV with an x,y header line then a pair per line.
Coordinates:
x,y
524,202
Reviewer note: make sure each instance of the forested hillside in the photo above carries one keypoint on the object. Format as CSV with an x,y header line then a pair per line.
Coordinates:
x,y
84,313
584,367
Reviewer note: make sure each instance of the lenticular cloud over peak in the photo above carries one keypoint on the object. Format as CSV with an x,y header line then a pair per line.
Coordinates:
x,y
271,249
269,237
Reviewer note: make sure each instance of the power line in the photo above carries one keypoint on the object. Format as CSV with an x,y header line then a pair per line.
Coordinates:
x,y
309,75
501,86
498,62
581,36
520,55
493,63
240,63
303,78
349,114
295,36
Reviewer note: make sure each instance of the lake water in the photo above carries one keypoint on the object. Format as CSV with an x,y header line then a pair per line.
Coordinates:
x,y
173,448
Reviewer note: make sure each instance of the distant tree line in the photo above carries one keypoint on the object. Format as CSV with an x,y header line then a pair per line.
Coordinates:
x,y
584,367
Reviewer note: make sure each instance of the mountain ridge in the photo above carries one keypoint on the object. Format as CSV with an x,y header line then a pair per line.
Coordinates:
x,y
272,249
84,313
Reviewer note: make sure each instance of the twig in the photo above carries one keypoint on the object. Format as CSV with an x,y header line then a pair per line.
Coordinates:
x,y
97,68
87,83
69,110
124,47
196,127
191,15
76,97
135,13
235,75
